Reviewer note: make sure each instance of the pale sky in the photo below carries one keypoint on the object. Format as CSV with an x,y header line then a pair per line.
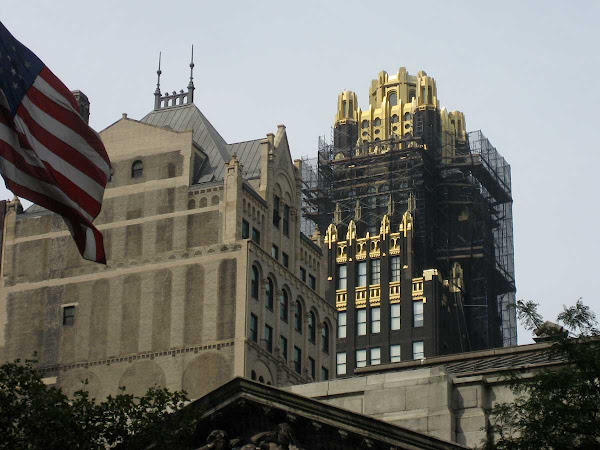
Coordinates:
x,y
525,73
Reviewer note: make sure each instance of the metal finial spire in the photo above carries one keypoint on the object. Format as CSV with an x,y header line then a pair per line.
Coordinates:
x,y
158,72
157,100
191,85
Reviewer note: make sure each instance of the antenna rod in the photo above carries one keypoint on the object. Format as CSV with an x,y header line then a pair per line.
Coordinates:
x,y
192,68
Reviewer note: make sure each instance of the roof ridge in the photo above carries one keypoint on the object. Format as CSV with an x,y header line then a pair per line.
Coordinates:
x,y
247,140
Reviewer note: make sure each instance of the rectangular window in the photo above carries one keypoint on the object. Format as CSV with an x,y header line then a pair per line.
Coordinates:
x,y
395,316
361,274
313,368
361,322
361,358
418,313
342,278
303,274
275,252
286,220
253,327
69,315
276,216
269,338
324,374
418,351
313,282
395,266
375,356
283,306
297,360
245,229
285,259
341,329
395,353
256,235
375,271
375,320
340,366
284,345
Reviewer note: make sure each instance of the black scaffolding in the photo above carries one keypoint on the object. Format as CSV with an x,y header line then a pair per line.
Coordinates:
x,y
461,202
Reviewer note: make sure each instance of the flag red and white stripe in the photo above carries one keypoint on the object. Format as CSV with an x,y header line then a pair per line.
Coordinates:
x,y
48,154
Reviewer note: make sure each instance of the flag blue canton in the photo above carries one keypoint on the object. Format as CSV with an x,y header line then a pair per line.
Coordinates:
x,y
19,68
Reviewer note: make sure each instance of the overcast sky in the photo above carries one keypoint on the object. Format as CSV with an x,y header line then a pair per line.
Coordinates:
x,y
525,73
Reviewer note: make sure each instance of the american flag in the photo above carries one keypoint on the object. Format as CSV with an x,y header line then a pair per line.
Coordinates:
x,y
48,154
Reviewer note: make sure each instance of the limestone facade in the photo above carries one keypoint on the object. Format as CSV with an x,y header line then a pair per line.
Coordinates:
x,y
186,217
448,397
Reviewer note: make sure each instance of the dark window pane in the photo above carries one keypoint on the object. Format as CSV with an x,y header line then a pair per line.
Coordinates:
x,y
269,338
69,315
245,229
297,360
254,282
253,327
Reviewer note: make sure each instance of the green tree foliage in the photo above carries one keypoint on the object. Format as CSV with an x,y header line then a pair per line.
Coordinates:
x,y
557,408
35,416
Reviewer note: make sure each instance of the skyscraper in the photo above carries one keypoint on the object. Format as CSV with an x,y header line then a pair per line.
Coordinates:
x,y
417,218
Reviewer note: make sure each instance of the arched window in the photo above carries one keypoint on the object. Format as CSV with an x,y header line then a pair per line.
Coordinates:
x,y
269,294
393,98
253,375
365,124
254,283
137,169
298,317
325,337
377,122
312,327
394,118
214,200
191,203
283,305
407,116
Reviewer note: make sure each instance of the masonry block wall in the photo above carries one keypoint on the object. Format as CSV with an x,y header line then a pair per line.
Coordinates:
x,y
173,305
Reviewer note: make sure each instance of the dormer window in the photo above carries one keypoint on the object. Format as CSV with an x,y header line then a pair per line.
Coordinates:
x,y
137,169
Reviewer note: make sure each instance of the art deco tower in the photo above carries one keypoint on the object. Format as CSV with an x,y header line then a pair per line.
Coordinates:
x,y
417,215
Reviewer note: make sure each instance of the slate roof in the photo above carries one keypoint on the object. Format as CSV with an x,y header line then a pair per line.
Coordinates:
x,y
218,151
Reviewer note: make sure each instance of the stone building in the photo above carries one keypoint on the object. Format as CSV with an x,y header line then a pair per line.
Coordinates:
x,y
449,397
417,217
247,415
208,275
